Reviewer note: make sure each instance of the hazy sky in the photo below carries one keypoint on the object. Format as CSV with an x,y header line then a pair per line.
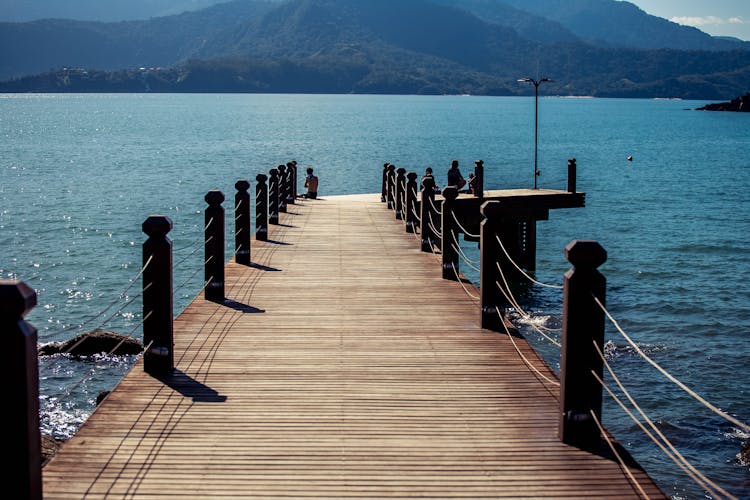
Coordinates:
x,y
716,17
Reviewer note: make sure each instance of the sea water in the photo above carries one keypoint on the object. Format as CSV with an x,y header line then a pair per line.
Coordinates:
x,y
80,173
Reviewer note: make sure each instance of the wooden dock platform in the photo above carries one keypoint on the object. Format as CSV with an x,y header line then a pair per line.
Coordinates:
x,y
342,366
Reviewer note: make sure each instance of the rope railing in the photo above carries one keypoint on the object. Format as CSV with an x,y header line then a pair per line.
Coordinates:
x,y
458,278
457,247
437,233
121,296
662,442
554,383
462,228
666,374
507,255
434,208
619,458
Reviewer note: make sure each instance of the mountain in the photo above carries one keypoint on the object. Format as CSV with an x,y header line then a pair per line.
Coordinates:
x,y
621,24
96,10
363,46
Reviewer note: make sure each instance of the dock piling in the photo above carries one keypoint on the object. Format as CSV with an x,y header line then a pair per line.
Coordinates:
x,y
428,198
242,222
583,326
283,184
449,230
273,197
391,186
572,167
20,373
384,189
400,192
214,246
291,192
411,203
478,191
158,328
261,208
491,300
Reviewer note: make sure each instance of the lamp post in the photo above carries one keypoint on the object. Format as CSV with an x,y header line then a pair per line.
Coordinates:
x,y
536,120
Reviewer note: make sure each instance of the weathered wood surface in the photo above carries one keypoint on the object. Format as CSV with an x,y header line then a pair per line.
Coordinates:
x,y
343,367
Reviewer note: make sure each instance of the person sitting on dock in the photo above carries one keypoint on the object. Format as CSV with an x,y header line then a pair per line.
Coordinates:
x,y
454,176
311,183
428,175
472,186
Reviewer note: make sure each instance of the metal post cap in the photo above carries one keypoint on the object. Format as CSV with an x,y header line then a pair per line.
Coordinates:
x,y
215,197
273,172
412,176
401,171
261,178
585,253
479,163
429,182
157,225
450,193
391,167
242,185
16,299
281,168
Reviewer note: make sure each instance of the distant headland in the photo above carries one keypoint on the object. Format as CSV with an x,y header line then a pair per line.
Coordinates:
x,y
742,103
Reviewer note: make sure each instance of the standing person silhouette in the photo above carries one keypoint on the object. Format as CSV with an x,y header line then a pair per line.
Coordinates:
x,y
311,183
454,176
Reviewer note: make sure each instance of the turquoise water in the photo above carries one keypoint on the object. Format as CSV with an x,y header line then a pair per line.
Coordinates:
x,y
80,173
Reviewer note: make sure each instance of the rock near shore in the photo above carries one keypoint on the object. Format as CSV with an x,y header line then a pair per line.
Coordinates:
x,y
95,342
742,103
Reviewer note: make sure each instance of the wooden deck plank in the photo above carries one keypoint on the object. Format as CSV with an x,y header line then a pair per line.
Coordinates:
x,y
344,367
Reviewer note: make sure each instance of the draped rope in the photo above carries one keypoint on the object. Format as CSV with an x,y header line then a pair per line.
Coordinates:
x,y
671,378
502,247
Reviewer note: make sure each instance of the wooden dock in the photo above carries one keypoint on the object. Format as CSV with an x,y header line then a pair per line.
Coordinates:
x,y
341,366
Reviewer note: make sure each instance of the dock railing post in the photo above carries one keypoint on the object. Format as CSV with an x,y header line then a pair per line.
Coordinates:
x,y
282,188
582,327
572,175
425,229
491,300
158,323
391,186
384,189
448,230
291,190
242,223
261,208
479,182
273,197
400,192
411,203
214,246
20,372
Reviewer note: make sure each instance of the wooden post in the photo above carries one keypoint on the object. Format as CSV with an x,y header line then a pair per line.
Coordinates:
x,y
411,203
491,299
384,190
583,325
428,198
572,175
261,208
391,187
158,331
448,230
214,246
242,223
273,197
291,190
400,192
479,182
20,375
282,188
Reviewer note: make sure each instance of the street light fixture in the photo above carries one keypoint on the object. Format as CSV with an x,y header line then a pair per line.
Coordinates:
x,y
536,120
